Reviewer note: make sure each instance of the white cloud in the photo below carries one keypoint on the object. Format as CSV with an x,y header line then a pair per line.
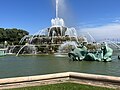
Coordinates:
x,y
111,30
117,21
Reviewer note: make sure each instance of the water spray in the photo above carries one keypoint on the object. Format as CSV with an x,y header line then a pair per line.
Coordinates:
x,y
57,3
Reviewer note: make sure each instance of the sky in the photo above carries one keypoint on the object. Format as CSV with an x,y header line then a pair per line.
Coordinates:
x,y
94,16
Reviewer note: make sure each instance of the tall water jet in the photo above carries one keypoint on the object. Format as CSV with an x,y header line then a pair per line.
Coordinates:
x,y
57,3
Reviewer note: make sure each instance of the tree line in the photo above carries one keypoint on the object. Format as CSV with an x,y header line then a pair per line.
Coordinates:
x,y
12,36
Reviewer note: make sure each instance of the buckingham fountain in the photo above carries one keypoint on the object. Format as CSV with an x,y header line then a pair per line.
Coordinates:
x,y
59,39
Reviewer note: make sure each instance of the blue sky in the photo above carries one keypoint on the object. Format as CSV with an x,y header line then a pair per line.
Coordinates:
x,y
34,15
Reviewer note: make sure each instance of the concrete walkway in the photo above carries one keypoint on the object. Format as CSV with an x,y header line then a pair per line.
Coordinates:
x,y
74,77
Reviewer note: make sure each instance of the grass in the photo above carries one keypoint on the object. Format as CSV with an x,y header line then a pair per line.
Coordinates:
x,y
64,86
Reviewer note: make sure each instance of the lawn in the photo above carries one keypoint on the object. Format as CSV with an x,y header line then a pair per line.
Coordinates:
x,y
64,86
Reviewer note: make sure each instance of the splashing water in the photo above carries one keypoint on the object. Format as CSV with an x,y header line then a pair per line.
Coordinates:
x,y
67,46
23,39
39,33
32,47
72,33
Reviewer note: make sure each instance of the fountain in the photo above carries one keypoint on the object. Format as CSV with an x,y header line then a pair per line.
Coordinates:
x,y
49,40
59,39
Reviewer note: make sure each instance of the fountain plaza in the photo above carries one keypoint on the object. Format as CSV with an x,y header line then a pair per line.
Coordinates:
x,y
60,42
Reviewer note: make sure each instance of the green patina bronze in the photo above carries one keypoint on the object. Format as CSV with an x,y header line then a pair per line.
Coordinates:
x,y
83,53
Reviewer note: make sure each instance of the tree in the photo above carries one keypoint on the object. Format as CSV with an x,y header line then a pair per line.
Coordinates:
x,y
12,35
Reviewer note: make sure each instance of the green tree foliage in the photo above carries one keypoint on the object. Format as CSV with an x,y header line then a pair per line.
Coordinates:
x,y
12,35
